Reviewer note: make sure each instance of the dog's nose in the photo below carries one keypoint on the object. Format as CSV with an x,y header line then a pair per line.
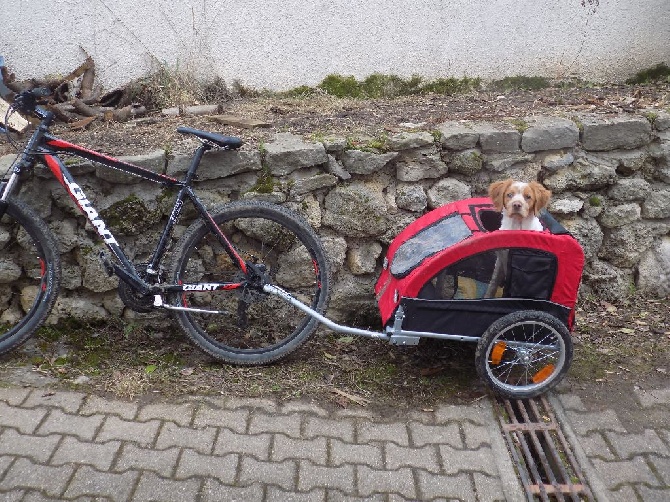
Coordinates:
x,y
516,205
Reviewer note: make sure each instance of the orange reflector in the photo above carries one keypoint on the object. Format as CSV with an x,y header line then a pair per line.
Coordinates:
x,y
497,352
543,374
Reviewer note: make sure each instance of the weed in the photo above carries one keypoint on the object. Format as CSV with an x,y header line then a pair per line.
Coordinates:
x,y
170,86
658,73
595,201
520,124
520,82
378,86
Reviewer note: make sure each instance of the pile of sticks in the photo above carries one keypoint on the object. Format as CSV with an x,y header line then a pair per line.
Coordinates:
x,y
76,100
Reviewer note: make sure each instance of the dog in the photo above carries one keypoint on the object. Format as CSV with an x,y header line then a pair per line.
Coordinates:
x,y
520,203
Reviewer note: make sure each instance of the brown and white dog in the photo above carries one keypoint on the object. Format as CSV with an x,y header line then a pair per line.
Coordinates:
x,y
520,203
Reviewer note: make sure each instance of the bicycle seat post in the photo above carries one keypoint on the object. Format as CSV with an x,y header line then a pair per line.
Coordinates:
x,y
195,162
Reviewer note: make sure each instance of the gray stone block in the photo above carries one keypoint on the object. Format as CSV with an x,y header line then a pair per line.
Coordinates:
x,y
496,138
549,133
458,135
619,132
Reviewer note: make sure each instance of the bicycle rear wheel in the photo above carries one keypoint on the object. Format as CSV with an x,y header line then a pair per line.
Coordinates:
x,y
255,328
29,274
524,354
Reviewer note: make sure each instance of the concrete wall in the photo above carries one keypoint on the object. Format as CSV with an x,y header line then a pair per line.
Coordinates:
x,y
279,44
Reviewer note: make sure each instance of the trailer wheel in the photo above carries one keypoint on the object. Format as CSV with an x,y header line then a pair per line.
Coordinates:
x,y
524,354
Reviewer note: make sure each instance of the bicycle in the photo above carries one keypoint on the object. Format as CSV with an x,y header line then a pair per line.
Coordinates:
x,y
218,271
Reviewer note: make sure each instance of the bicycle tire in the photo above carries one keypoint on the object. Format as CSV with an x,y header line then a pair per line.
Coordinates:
x,y
524,354
30,274
258,328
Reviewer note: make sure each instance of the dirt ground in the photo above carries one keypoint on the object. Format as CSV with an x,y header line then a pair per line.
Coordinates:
x,y
617,346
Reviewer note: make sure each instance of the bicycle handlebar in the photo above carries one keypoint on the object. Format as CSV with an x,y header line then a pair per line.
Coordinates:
x,y
24,101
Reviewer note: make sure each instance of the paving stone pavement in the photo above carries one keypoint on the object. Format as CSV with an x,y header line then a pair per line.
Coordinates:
x,y
620,464
61,445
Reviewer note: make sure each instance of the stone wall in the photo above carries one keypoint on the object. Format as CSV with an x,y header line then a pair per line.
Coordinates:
x,y
610,177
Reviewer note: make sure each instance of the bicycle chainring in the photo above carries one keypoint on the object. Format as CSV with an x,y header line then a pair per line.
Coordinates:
x,y
132,298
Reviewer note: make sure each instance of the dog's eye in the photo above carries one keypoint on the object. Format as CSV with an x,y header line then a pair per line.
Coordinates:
x,y
510,195
527,197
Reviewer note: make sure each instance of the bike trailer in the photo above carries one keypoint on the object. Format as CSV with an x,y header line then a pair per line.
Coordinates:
x,y
452,271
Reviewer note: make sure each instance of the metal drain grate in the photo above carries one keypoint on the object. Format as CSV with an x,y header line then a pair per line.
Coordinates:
x,y
544,459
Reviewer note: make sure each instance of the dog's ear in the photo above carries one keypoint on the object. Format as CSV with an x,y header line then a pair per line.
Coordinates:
x,y
542,196
497,193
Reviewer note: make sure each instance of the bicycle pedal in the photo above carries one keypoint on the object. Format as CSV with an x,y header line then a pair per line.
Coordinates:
x,y
109,268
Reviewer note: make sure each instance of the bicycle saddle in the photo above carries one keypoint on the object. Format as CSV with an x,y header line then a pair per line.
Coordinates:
x,y
228,142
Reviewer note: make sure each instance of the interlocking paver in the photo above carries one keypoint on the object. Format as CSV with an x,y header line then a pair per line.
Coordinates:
x,y
277,494
25,474
657,397
311,449
91,482
223,468
423,435
181,414
13,396
262,422
476,436
201,440
343,429
267,405
488,488
162,462
152,488
443,487
14,496
345,453
39,449
630,445
235,420
142,433
213,491
99,405
302,407
282,474
25,420
572,402
455,460
70,402
58,422
4,464
617,473
584,423
257,445
73,451
395,432
594,445
372,481
662,467
652,495
479,413
313,476
623,494
338,496
419,458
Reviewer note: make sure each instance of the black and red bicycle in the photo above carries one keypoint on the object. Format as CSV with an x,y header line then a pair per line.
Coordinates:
x,y
214,279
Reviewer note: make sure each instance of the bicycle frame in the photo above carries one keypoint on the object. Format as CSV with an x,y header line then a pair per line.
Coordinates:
x,y
44,145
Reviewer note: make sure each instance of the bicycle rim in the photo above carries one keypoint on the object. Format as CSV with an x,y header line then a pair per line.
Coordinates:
x,y
254,327
526,357
29,273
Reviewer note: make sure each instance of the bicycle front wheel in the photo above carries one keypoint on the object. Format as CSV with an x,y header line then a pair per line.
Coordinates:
x,y
29,274
250,327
